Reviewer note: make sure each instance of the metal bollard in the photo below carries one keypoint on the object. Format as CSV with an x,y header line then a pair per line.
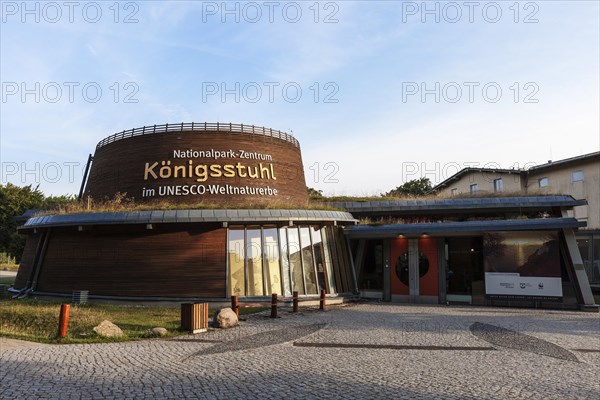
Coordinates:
x,y
234,305
322,304
295,302
63,320
274,305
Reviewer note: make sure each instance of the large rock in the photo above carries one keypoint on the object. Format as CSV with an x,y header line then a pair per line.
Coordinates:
x,y
108,329
225,318
158,331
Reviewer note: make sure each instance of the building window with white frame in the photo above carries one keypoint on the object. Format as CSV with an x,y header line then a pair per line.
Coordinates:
x,y
577,176
473,187
454,191
498,185
543,182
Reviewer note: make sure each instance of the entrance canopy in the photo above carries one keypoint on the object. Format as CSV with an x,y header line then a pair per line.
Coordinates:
x,y
458,228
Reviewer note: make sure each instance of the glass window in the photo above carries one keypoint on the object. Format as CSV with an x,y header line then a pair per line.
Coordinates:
x,y
498,185
454,192
308,263
585,249
319,258
236,262
328,262
473,187
577,176
464,266
338,241
543,182
271,259
254,262
371,272
295,260
285,262
596,259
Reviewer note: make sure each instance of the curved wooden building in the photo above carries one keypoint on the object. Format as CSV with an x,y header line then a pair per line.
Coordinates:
x,y
186,253
190,163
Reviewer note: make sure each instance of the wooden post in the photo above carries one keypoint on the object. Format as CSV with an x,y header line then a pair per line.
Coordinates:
x,y
274,305
322,304
234,305
294,301
63,320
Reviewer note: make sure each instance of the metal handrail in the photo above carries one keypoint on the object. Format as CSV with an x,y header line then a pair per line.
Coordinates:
x,y
199,127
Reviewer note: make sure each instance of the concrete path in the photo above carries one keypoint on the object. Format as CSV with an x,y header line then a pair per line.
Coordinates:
x,y
366,351
9,344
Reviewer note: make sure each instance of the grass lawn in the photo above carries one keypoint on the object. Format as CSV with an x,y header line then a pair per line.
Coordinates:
x,y
38,321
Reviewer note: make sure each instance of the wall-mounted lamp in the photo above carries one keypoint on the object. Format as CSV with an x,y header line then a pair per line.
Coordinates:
x,y
149,226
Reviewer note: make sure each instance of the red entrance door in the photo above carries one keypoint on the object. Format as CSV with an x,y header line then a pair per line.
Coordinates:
x,y
414,269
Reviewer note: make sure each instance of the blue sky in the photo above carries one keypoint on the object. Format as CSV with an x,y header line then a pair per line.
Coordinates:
x,y
369,129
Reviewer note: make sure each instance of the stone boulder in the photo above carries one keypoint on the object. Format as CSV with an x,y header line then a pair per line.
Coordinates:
x,y
108,329
225,318
158,331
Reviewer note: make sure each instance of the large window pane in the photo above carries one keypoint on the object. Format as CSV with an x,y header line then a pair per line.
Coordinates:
x,y
596,259
328,262
295,260
307,258
371,272
319,258
236,262
271,257
585,249
285,262
254,262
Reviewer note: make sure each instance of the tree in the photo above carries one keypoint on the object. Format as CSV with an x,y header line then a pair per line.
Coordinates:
x,y
412,188
314,194
14,201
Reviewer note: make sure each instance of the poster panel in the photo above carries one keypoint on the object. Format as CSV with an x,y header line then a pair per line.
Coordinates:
x,y
522,265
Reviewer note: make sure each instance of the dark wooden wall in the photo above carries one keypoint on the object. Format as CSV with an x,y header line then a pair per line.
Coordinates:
x,y
119,166
27,259
173,261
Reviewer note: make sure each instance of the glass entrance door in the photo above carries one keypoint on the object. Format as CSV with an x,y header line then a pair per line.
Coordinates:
x,y
464,270
371,271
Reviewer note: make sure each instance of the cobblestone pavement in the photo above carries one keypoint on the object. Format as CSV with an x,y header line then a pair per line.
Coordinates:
x,y
362,351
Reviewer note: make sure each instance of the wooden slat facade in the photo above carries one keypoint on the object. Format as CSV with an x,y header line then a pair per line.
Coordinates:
x,y
119,167
167,261
27,260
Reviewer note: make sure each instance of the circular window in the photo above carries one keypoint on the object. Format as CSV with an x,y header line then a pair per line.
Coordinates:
x,y
402,267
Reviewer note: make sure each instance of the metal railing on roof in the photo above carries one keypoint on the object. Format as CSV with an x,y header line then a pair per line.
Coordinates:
x,y
199,127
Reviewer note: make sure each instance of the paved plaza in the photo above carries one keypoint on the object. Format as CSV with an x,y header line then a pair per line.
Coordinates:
x,y
362,351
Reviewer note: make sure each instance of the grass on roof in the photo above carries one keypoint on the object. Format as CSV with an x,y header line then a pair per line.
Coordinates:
x,y
479,194
121,203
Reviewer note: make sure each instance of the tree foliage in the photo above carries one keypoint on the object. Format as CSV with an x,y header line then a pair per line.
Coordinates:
x,y
412,188
314,194
14,201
